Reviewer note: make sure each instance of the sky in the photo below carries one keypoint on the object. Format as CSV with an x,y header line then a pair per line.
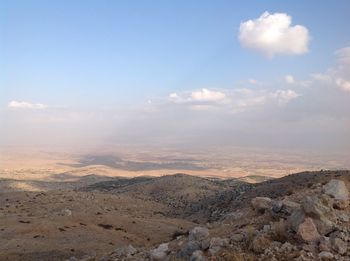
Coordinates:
x,y
175,73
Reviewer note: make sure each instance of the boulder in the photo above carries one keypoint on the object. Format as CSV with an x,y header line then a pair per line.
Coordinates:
x,y
198,234
160,253
308,231
277,206
324,225
197,256
313,206
205,244
321,211
336,189
125,251
286,206
261,204
289,206
339,246
296,219
188,249
325,256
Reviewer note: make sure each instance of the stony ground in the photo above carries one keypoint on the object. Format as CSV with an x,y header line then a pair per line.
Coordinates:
x,y
304,216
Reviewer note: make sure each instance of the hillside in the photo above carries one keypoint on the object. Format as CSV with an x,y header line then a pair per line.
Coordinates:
x,y
180,217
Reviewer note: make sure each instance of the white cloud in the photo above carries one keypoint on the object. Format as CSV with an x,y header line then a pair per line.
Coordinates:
x,y
345,85
207,95
26,105
284,96
235,101
343,55
198,96
289,79
322,77
337,76
173,95
273,34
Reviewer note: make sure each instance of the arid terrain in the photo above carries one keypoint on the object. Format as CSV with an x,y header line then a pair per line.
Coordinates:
x,y
108,207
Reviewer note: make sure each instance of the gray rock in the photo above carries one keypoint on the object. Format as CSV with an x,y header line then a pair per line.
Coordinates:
x,y
198,234
289,206
314,207
325,255
324,244
336,189
321,212
339,245
197,256
188,249
277,206
296,219
160,253
261,204
125,251
205,244
66,212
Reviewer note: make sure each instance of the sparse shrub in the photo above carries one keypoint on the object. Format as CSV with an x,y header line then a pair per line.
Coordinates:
x,y
280,231
250,234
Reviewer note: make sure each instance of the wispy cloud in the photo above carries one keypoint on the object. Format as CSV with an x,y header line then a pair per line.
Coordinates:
x,y
273,34
339,75
26,105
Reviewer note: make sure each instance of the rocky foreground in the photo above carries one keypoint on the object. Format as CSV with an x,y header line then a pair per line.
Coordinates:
x,y
308,221
303,216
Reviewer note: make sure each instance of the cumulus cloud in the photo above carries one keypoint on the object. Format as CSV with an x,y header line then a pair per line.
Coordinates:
x,y
273,34
289,79
26,105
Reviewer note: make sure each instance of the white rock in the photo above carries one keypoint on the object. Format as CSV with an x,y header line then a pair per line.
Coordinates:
x,y
325,255
261,204
160,253
66,212
336,189
197,256
198,233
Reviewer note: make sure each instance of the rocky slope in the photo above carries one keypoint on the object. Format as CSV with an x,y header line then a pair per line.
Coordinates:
x,y
306,217
303,216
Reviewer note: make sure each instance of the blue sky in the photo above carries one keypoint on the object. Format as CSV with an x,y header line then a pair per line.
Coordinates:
x,y
106,52
170,70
